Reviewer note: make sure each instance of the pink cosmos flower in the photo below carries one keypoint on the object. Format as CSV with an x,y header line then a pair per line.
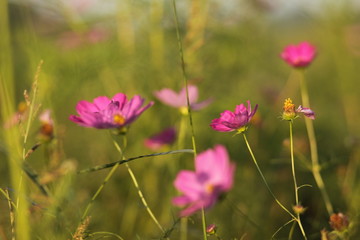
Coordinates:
x,y
178,100
237,120
200,189
103,113
299,56
166,137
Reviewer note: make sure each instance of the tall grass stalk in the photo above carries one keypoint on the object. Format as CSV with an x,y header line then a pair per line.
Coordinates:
x,y
296,189
185,79
12,135
313,145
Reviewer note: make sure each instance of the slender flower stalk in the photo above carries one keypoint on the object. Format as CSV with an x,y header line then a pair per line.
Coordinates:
x,y
293,163
313,146
136,184
294,178
264,179
188,103
203,223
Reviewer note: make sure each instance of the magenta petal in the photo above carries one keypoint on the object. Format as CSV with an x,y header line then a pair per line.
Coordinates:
x,y
217,165
193,208
217,125
85,106
121,98
181,201
101,102
76,119
187,183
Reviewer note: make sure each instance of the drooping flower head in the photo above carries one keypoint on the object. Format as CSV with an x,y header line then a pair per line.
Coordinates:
x,y
339,221
178,100
46,132
290,113
103,113
19,116
299,56
200,189
162,139
234,121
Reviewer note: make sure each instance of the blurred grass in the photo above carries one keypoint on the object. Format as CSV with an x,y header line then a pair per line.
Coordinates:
x,y
232,57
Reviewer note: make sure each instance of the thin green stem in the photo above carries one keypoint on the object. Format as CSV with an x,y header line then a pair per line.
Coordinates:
x,y
293,163
277,231
263,178
181,53
109,165
313,146
203,223
136,184
108,176
294,178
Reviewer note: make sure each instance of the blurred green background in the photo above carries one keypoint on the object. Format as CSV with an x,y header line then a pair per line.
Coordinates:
x,y
95,48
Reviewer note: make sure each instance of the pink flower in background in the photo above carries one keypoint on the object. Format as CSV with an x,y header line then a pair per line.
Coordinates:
x,y
70,40
166,137
178,100
299,56
213,175
237,120
103,113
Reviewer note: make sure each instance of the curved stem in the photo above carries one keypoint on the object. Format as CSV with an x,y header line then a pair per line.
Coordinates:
x,y
108,176
313,147
263,178
133,178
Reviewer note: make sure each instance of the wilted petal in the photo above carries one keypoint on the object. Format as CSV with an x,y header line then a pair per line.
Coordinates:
x,y
307,112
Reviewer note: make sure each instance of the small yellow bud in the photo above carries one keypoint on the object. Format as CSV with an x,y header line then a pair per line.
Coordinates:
x,y
289,110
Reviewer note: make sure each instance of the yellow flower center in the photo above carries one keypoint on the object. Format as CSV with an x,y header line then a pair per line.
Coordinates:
x,y
289,106
209,188
118,119
289,110
184,111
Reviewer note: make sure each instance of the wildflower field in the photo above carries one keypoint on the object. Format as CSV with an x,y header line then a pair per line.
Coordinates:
x,y
179,119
